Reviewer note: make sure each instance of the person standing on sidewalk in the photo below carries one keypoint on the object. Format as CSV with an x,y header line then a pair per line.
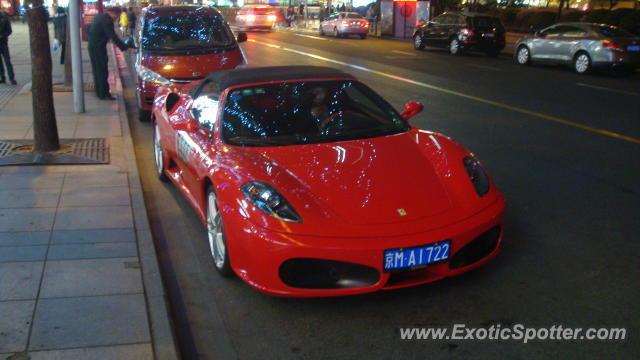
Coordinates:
x,y
131,19
5,31
101,31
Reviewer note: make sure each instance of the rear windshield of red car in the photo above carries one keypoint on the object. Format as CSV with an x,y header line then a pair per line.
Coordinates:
x,y
292,113
353,16
173,32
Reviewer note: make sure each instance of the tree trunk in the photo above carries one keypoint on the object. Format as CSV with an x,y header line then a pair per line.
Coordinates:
x,y
45,129
562,2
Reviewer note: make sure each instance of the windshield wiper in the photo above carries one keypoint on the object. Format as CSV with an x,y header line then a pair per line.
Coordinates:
x,y
257,142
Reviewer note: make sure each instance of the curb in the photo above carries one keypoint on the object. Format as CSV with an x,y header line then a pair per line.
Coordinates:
x,y
162,338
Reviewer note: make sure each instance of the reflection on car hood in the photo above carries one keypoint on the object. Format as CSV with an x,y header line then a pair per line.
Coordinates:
x,y
371,181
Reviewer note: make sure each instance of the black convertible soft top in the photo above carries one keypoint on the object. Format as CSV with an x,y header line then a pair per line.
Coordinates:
x,y
227,78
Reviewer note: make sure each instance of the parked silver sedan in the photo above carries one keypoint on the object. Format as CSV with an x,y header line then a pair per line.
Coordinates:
x,y
582,45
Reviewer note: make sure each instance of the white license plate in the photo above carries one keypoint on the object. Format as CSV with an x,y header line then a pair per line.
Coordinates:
x,y
490,35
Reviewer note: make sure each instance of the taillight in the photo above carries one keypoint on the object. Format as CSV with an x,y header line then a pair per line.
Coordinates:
x,y
251,18
611,45
345,23
271,18
365,24
467,32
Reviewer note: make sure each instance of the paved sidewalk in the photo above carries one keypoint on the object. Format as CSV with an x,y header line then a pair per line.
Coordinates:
x,y
79,277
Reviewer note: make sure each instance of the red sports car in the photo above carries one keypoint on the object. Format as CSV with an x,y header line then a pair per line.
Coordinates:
x,y
311,184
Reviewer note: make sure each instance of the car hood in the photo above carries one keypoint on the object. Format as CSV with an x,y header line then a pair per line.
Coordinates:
x,y
191,66
371,181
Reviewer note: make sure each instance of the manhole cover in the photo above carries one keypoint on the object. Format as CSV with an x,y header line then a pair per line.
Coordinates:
x,y
72,151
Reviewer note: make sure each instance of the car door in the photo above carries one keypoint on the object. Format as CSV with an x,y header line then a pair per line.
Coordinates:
x,y
193,146
545,43
569,42
432,30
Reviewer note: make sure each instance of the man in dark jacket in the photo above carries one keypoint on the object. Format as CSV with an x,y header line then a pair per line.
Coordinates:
x,y
100,33
60,31
5,31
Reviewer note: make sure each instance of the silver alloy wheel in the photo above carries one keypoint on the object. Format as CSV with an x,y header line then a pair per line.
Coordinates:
x,y
454,46
523,55
582,63
417,42
214,232
157,150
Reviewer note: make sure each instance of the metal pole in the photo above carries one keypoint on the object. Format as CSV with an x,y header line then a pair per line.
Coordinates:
x,y
76,56
306,13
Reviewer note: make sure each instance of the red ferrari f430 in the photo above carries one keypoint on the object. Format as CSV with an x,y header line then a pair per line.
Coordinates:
x,y
311,184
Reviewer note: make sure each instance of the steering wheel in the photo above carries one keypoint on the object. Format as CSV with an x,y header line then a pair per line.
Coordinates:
x,y
327,122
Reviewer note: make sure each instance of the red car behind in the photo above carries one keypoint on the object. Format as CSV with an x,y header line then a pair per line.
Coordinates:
x,y
180,44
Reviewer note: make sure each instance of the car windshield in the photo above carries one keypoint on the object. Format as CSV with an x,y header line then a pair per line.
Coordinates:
x,y
612,31
184,32
306,112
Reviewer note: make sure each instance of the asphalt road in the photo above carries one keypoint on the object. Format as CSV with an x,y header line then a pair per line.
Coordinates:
x,y
564,150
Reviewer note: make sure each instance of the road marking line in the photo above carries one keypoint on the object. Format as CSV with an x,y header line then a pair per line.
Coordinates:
x,y
310,36
403,52
609,89
264,43
475,98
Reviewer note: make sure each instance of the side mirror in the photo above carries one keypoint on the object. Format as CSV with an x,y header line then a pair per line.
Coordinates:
x,y
241,37
411,109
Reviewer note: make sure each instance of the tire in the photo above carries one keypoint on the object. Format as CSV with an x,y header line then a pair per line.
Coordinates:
x,y
454,47
321,31
363,36
215,236
336,33
418,42
581,63
523,56
144,115
158,154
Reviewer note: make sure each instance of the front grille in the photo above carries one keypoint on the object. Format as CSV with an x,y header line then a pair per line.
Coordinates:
x,y
478,248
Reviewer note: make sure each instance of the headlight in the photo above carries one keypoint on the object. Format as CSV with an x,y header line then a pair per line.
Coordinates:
x,y
150,76
477,175
267,199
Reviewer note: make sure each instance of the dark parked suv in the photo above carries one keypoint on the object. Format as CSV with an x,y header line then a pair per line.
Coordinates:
x,y
460,32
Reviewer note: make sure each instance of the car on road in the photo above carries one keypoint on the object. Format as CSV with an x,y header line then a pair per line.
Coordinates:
x,y
343,24
310,184
256,17
180,44
461,32
583,46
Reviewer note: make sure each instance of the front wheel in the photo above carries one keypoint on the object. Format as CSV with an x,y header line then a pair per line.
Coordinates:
x,y
158,153
363,36
454,47
418,43
321,31
336,33
523,56
582,63
216,237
